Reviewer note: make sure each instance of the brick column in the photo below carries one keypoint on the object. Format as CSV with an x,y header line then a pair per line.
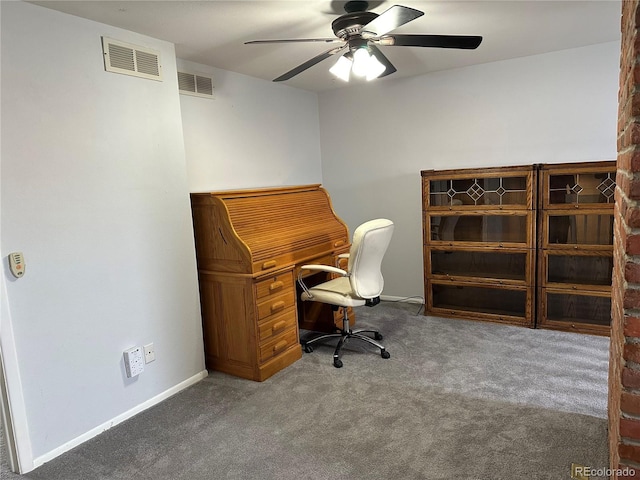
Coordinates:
x,y
624,365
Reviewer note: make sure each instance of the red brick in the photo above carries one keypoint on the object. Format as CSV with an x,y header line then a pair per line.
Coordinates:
x,y
631,299
634,472
634,162
630,403
629,161
632,352
635,105
632,245
631,378
632,326
636,74
632,272
632,217
634,187
635,133
629,428
629,452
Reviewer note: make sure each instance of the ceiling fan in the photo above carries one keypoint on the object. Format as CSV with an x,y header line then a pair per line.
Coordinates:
x,y
360,32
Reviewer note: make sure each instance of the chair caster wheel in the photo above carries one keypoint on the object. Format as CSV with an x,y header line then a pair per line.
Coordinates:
x,y
385,354
308,348
378,336
337,363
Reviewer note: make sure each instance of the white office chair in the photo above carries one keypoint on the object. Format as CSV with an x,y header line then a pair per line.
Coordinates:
x,y
361,284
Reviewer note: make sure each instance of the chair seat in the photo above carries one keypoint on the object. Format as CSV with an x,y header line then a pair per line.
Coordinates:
x,y
335,292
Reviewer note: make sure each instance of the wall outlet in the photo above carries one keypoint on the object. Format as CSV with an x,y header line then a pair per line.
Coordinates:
x,y
133,362
149,353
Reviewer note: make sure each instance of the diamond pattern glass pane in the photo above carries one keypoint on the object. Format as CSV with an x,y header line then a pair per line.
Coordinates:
x,y
479,191
582,188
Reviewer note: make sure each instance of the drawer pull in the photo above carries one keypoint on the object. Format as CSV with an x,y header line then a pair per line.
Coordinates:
x,y
275,286
280,345
338,243
269,264
278,326
277,306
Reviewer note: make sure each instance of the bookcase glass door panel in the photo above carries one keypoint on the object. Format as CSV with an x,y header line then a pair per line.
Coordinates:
x,y
579,269
498,265
470,298
586,309
585,229
582,188
479,228
478,191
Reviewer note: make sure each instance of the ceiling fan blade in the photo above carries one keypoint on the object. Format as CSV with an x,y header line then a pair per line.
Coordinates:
x,y
295,40
390,20
308,64
389,68
440,41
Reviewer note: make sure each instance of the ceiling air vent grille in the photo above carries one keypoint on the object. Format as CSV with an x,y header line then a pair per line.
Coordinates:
x,y
191,84
121,57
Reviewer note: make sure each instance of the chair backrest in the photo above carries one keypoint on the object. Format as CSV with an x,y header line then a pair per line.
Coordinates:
x,y
369,244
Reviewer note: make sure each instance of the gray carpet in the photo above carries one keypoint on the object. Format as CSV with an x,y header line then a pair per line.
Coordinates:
x,y
456,400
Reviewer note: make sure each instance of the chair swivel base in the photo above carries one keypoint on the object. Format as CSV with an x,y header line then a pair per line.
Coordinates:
x,y
345,335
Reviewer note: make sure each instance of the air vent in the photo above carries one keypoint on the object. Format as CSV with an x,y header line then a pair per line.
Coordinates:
x,y
121,57
192,84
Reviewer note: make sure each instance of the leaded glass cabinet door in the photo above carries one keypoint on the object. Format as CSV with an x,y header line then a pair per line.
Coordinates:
x,y
575,239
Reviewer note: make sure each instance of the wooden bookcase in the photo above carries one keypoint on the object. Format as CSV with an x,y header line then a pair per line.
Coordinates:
x,y
575,245
479,235
529,245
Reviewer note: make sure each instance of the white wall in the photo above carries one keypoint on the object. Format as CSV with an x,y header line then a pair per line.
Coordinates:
x,y
95,193
551,108
253,133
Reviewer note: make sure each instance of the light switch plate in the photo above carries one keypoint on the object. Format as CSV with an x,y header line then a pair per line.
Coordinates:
x,y
149,353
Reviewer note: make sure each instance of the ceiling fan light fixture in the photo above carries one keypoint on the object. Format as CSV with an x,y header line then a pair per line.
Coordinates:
x,y
342,68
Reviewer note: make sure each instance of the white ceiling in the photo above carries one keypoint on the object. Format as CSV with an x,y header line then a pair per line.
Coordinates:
x,y
213,32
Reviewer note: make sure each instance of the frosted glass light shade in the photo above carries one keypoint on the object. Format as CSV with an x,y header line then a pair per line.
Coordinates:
x,y
374,68
342,68
361,60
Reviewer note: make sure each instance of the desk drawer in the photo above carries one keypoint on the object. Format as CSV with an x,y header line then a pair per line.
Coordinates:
x,y
275,304
279,344
274,285
276,325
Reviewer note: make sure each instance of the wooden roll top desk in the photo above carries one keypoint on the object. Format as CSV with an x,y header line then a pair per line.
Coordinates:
x,y
250,245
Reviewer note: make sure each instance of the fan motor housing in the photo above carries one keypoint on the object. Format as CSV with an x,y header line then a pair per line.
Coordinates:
x,y
351,23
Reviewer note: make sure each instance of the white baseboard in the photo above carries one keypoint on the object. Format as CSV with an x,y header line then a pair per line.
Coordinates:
x,y
56,452
391,298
